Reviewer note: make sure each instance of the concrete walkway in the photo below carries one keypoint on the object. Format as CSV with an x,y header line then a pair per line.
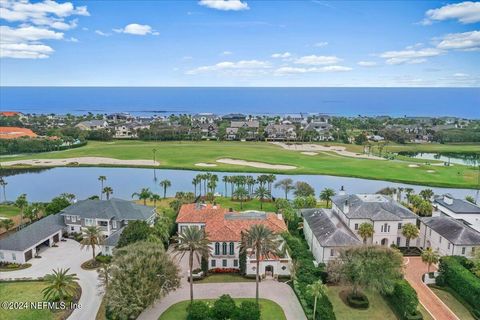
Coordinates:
x,y
66,255
414,270
278,292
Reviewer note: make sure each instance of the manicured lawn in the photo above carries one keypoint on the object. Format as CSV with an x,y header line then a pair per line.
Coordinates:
x,y
253,204
21,292
378,309
224,277
456,306
269,310
185,154
8,211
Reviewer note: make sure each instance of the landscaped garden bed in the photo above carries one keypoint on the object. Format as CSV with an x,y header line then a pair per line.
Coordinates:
x,y
7,266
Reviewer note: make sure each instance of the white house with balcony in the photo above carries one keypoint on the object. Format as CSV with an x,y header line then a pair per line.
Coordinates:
x,y
467,212
386,215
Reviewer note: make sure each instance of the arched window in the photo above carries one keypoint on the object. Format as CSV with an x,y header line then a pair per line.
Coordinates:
x,y
232,248
224,248
217,248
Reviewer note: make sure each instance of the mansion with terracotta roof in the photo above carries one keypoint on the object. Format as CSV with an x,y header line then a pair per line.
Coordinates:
x,y
224,228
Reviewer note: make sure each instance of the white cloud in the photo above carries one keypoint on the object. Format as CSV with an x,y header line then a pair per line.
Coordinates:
x,y
410,56
24,51
321,44
367,63
460,41
227,53
8,34
461,75
137,29
317,60
225,5
295,70
281,55
465,12
103,34
242,67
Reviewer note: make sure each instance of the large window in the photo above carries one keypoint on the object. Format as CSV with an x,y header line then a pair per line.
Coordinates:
x,y
217,248
224,262
214,263
235,263
232,248
224,248
74,218
89,222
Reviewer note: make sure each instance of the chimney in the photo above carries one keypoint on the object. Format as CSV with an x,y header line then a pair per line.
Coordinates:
x,y
448,199
346,207
342,191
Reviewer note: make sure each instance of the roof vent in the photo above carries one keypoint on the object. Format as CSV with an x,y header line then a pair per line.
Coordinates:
x,y
342,191
448,199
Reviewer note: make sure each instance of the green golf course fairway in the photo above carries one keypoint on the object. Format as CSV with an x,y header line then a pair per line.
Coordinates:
x,y
185,154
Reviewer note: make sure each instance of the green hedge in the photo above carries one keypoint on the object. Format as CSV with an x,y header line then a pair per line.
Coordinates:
x,y
404,301
461,280
307,274
358,302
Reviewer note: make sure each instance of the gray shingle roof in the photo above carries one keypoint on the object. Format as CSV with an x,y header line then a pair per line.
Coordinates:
x,y
327,227
33,233
453,230
459,206
114,237
373,207
108,209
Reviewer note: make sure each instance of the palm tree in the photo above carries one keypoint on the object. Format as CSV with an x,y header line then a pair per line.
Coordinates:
x,y
101,179
241,194
195,182
225,181
69,196
399,194
103,276
262,243
326,195
316,290
286,185
212,183
7,224
21,203
262,193
3,184
271,179
366,230
409,192
108,191
430,257
92,237
33,211
426,194
144,194
409,231
193,241
61,285
165,184
154,197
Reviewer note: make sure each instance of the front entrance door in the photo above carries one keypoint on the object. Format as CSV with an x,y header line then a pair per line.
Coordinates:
x,y
269,271
384,242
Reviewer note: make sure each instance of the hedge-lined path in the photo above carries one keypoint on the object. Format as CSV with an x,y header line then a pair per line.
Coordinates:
x,y
278,292
414,269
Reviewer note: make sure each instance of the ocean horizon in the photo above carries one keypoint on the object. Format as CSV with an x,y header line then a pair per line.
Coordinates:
x,y
336,101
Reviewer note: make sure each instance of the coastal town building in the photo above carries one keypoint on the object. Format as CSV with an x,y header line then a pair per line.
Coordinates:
x,y
281,132
224,230
129,130
448,236
205,118
322,130
459,209
92,125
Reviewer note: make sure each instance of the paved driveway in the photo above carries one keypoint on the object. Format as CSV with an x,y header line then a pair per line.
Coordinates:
x,y
67,255
415,268
276,291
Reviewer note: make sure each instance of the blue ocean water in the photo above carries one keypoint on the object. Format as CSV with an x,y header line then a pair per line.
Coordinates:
x,y
460,102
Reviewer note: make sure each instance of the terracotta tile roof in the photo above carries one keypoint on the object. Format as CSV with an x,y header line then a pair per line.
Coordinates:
x,y
10,113
16,132
221,225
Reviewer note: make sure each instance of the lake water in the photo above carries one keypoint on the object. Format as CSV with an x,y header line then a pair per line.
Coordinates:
x,y
46,184
469,159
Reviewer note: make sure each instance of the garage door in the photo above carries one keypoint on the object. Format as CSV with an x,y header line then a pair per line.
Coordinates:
x,y
55,238
28,255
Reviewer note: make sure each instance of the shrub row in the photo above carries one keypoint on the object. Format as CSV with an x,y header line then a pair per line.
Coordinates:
x,y
223,308
454,275
359,301
404,301
307,274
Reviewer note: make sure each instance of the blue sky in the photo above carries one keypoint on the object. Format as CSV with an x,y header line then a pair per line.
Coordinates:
x,y
240,43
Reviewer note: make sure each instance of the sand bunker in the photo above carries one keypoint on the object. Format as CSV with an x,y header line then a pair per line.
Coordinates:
x,y
431,171
413,166
256,164
308,153
309,147
202,164
79,160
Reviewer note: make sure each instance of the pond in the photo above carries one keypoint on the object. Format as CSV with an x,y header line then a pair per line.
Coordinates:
x,y
43,185
468,159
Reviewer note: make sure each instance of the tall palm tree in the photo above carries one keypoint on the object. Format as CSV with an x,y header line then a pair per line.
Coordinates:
x,y
426,194
316,290
409,231
108,191
326,195
399,194
104,276
286,185
262,193
261,242
366,230
213,183
225,181
60,285
21,203
241,194
250,181
193,241
102,179
270,180
144,194
165,184
154,197
3,184
430,257
195,182
92,237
